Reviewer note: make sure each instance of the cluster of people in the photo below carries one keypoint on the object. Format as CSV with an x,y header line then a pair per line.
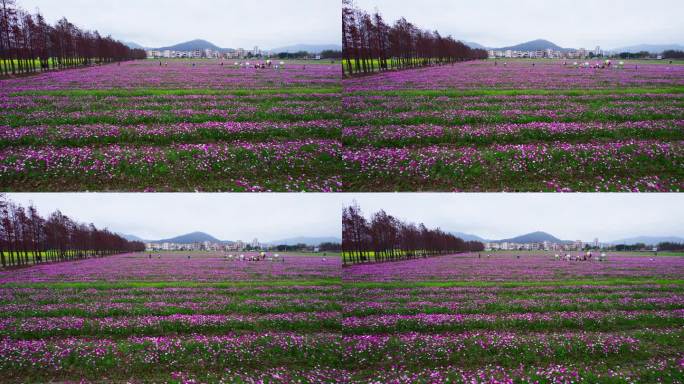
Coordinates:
x,y
262,256
607,64
259,65
586,256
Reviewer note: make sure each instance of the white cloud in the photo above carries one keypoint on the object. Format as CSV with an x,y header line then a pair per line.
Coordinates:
x,y
226,23
226,216
571,24
567,216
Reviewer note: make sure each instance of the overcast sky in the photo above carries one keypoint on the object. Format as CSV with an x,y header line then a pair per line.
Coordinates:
x,y
155,216
568,23
226,23
566,216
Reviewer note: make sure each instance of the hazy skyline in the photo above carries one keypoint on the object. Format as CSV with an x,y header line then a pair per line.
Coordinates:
x,y
155,216
228,24
566,216
570,24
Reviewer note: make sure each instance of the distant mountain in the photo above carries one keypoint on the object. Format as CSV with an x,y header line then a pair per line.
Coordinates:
x,y
469,237
130,237
534,45
189,238
311,48
652,48
649,240
193,45
306,240
133,45
474,45
534,237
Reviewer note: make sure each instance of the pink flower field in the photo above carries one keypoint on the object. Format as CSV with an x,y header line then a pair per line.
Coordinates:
x,y
185,126
503,267
521,74
517,318
522,125
175,318
189,267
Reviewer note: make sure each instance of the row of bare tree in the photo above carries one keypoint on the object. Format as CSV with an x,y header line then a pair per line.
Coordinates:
x,y
386,238
29,44
370,45
27,238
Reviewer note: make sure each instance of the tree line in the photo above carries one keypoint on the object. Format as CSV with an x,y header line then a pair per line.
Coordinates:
x,y
670,246
28,44
27,238
385,238
664,246
323,247
673,54
326,54
369,44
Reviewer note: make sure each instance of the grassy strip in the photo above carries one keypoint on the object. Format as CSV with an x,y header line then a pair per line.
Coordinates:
x,y
492,309
418,354
607,324
166,118
101,285
493,170
513,284
587,117
140,359
134,358
527,136
122,92
515,92
90,328
141,310
200,136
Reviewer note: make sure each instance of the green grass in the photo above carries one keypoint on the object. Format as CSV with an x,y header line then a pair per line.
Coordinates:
x,y
515,284
102,285
121,92
521,92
